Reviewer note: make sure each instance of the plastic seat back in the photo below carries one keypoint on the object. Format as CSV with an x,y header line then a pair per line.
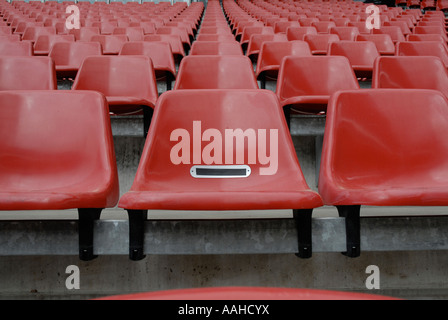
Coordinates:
x,y
216,48
16,48
43,44
85,33
383,42
111,43
306,83
345,33
32,33
423,48
273,52
410,73
174,40
216,72
391,151
27,73
319,43
361,54
133,33
298,33
60,152
394,31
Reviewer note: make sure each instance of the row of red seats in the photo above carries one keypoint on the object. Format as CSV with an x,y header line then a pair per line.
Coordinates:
x,y
439,5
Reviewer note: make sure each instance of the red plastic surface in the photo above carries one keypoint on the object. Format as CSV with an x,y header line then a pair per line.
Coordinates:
x,y
216,72
306,83
41,71
161,184
216,48
385,147
57,151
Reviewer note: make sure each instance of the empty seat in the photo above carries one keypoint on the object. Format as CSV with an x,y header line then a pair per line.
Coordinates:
x,y
345,33
182,32
319,43
383,147
225,176
305,84
272,54
432,30
323,26
257,40
32,33
423,48
294,33
128,82
16,48
133,33
57,154
249,31
216,48
111,44
27,73
68,56
5,30
85,33
395,33
216,72
383,42
412,72
215,37
425,37
160,54
174,40
43,44
361,54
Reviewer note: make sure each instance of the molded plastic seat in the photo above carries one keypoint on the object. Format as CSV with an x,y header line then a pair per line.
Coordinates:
x,y
182,32
384,147
128,82
16,48
43,44
410,73
216,48
68,56
32,33
294,33
85,33
305,84
160,54
395,33
5,30
361,54
423,48
345,33
383,42
57,154
272,53
27,73
319,43
174,40
249,31
216,72
10,37
163,182
257,40
323,26
215,37
133,33
110,43
431,30
425,37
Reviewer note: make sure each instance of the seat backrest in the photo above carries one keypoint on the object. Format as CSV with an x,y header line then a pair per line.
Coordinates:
x,y
390,151
44,43
57,143
133,33
249,31
273,52
323,26
215,37
383,42
359,53
298,33
165,166
412,72
216,72
282,26
32,33
27,73
319,43
73,53
110,43
5,30
84,33
394,31
345,33
216,48
118,76
16,48
314,76
423,48
159,52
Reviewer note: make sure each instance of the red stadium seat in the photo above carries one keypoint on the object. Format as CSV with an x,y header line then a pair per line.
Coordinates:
x,y
32,33
128,82
111,44
43,44
167,182
272,53
423,48
216,72
5,30
133,33
319,43
305,84
68,56
345,33
85,33
16,48
390,152
361,55
73,166
160,54
395,33
27,73
215,37
383,42
257,40
174,40
411,72
216,48
299,33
